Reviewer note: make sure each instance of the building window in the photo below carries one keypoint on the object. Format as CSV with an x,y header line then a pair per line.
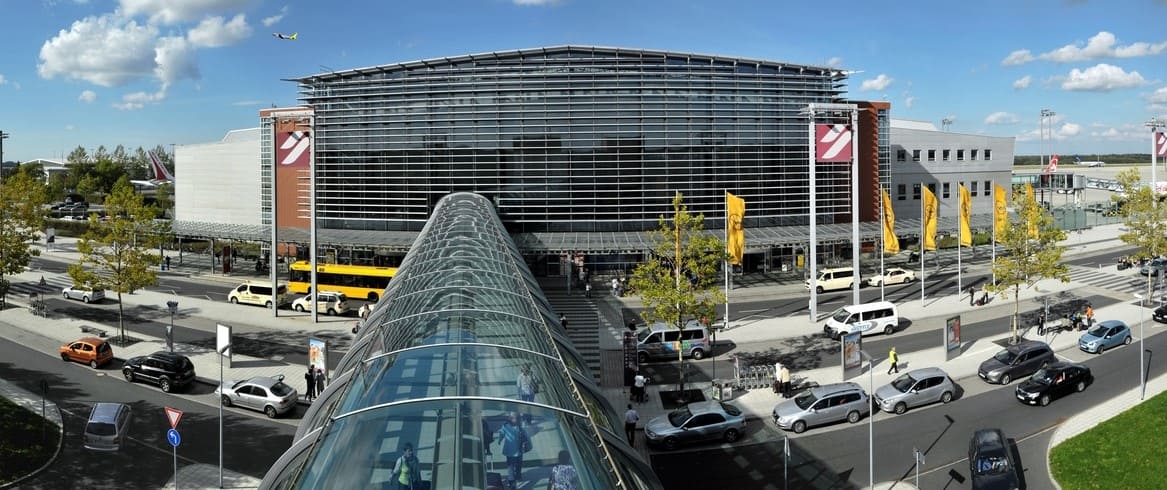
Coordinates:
x,y
931,155
932,188
915,155
972,155
946,154
901,192
959,155
915,192
988,188
988,154
973,191
902,155
945,187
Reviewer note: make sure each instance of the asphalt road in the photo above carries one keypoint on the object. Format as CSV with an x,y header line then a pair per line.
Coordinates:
x,y
252,443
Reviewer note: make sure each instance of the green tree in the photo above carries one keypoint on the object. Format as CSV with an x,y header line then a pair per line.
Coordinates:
x,y
22,214
1031,252
679,280
164,199
120,254
1145,217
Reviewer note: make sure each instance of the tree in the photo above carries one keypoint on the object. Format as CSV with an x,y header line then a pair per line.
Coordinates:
x,y
1145,217
679,280
22,213
1031,252
119,254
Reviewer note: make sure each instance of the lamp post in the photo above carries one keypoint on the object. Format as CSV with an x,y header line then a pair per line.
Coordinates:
x,y
1155,123
222,352
173,306
871,417
1142,352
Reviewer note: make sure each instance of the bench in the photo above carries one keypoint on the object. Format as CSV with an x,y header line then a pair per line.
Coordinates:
x,y
93,330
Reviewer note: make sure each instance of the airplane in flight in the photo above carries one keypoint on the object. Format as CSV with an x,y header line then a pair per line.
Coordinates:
x,y
287,37
1078,161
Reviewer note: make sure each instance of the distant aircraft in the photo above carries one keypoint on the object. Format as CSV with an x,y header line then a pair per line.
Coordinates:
x,y
161,175
1078,161
291,37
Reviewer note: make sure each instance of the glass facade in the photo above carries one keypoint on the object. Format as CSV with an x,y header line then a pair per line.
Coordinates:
x,y
572,139
440,365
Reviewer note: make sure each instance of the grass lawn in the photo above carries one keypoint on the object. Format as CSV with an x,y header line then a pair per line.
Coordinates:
x,y
1126,451
21,447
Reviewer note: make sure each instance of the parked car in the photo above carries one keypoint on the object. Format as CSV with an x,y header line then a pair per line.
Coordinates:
x,y
822,405
990,460
1110,333
84,294
1160,314
107,426
1054,381
1015,361
165,369
915,388
697,421
892,275
266,394
1154,267
89,350
330,302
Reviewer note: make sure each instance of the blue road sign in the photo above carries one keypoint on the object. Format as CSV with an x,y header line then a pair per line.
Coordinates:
x,y
173,437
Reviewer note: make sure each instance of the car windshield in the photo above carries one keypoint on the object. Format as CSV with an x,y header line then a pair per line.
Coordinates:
x,y
101,429
679,416
992,464
1006,356
840,315
643,334
730,409
281,389
903,383
805,400
1098,331
237,385
1043,376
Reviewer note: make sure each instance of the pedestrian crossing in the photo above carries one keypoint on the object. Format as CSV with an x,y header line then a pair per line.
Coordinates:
x,y
583,324
1128,282
53,285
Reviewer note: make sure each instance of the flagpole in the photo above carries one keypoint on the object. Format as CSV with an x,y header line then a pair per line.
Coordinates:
x,y
923,226
994,237
727,262
882,242
959,242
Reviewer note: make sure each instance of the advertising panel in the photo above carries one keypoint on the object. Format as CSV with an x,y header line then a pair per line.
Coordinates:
x,y
952,336
318,354
852,344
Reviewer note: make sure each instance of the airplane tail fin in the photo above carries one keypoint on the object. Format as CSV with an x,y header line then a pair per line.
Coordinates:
x,y
1076,159
293,36
160,172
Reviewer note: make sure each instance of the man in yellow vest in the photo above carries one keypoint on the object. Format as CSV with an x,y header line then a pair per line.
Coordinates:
x,y
894,360
407,471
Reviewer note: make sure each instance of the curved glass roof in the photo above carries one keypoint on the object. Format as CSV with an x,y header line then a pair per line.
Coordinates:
x,y
438,365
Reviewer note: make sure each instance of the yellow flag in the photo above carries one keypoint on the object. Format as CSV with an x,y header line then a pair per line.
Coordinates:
x,y
891,244
1032,198
1000,211
931,216
735,210
965,217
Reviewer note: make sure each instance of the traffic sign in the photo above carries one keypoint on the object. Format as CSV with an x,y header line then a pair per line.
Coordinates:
x,y
173,437
173,414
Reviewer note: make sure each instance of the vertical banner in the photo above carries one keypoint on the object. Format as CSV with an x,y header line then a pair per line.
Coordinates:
x,y
891,244
735,210
1000,211
1032,198
1160,144
293,153
931,216
965,217
952,337
852,344
833,143
631,363
318,354
223,341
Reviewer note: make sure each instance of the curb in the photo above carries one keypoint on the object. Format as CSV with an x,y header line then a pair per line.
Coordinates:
x,y
56,453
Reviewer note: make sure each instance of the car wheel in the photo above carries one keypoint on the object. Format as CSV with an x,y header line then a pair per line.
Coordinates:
x,y
818,289
799,427
234,301
1081,386
900,408
1101,349
1006,379
853,416
64,357
93,363
270,411
698,354
299,308
946,397
1044,400
1127,340
907,280
164,383
671,443
226,400
85,299
373,297
888,330
267,305
641,357
331,312
65,295
128,374
731,435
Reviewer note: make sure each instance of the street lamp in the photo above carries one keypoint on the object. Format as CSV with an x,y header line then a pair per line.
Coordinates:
x,y
871,417
1142,378
222,352
173,306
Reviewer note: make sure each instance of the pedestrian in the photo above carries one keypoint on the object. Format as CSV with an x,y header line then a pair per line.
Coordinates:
x,y
1089,315
310,381
407,470
588,289
785,381
778,378
639,382
563,321
972,294
632,326
631,417
319,381
526,384
563,474
615,285
514,442
167,262
894,360
363,312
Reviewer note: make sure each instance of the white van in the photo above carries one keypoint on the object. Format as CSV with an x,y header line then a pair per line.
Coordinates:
x,y
868,318
258,293
836,278
661,341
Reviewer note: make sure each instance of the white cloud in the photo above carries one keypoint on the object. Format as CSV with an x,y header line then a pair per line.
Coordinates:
x,y
1019,57
1102,45
1023,82
1001,118
109,51
835,62
174,12
245,103
909,101
273,20
87,96
1157,100
878,83
69,127
536,2
213,32
137,100
174,61
1067,130
1102,78
2,79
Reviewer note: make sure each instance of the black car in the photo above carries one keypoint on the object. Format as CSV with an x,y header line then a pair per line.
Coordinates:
x,y
1054,381
991,462
165,369
1160,314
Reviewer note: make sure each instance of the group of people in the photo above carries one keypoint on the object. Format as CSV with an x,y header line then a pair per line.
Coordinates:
x,y
515,442
314,380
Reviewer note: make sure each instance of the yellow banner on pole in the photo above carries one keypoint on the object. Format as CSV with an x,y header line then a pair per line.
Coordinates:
x,y
965,217
931,216
1000,211
891,244
735,210
1033,199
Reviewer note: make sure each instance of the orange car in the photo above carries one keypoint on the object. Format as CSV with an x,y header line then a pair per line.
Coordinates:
x,y
89,350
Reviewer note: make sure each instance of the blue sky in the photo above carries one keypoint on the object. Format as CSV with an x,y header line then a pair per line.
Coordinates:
x,y
161,72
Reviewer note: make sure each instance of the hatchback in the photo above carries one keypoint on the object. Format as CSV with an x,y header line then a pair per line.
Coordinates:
x,y
330,302
166,369
89,350
697,421
1015,361
991,462
107,426
84,294
822,405
915,388
1160,314
1110,333
1054,381
266,394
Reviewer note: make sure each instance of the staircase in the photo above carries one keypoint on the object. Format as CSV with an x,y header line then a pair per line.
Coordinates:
x,y
583,319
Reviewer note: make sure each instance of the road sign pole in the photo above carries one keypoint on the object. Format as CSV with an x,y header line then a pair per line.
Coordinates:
x,y
174,451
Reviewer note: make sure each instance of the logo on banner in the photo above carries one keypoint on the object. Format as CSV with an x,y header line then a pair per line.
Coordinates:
x,y
833,142
1161,144
1053,164
293,147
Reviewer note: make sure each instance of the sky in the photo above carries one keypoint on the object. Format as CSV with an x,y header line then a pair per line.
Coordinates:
x,y
173,72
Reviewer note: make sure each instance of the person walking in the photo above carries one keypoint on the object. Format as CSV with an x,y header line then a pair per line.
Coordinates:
x,y
631,417
615,285
972,294
514,443
894,360
639,382
563,321
785,375
1089,315
319,381
563,474
310,382
588,289
407,469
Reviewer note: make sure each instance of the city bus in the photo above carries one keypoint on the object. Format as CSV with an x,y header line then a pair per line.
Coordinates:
x,y
355,281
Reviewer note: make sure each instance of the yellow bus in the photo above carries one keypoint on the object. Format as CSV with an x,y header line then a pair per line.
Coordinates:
x,y
355,281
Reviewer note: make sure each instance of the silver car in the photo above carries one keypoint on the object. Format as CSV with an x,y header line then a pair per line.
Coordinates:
x,y
914,388
822,405
269,395
107,426
697,421
84,294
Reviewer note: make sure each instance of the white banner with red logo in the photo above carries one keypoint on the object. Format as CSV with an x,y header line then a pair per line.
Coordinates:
x,y
833,143
1053,165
